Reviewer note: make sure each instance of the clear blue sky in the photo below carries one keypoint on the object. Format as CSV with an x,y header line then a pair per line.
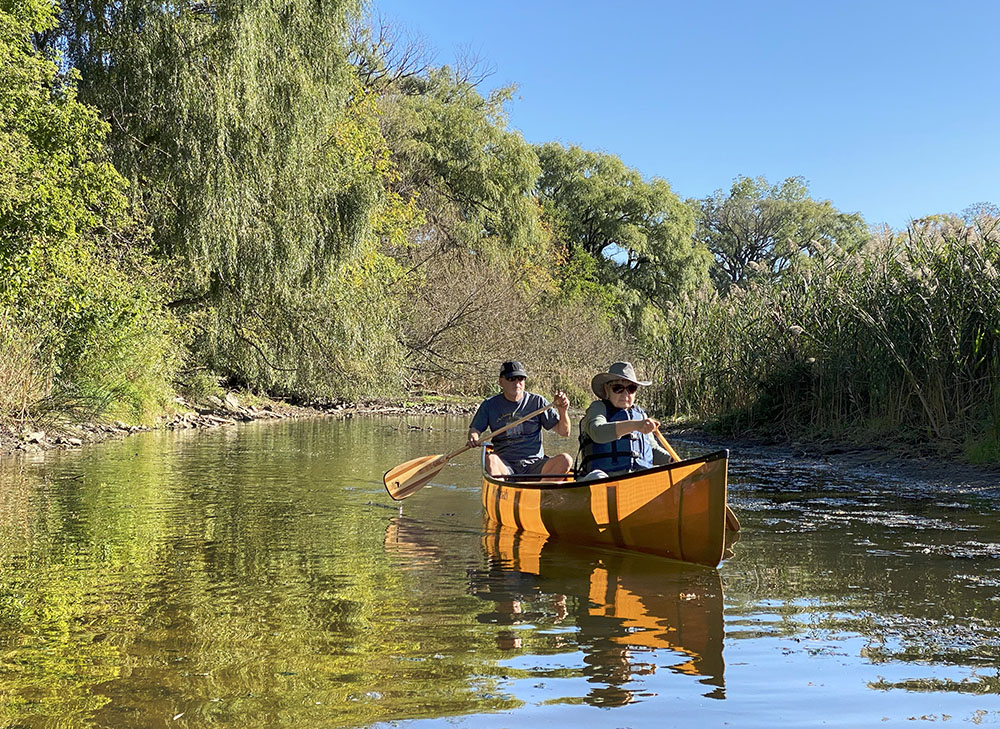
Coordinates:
x,y
890,109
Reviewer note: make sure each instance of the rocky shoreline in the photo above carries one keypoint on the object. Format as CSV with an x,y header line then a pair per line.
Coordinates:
x,y
235,408
214,412
919,468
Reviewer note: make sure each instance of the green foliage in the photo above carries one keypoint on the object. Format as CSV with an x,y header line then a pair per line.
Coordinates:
x,y
198,385
627,241
580,281
476,284
241,151
330,220
79,307
261,163
636,231
758,229
470,175
335,338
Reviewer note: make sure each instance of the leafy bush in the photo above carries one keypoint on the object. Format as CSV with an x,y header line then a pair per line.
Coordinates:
x,y
80,310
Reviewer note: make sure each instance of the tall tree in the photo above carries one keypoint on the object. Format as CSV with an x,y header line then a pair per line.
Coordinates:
x,y
80,318
766,226
470,175
482,246
471,179
633,231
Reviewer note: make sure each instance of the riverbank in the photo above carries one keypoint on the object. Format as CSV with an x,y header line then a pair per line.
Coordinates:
x,y
236,408
914,467
214,412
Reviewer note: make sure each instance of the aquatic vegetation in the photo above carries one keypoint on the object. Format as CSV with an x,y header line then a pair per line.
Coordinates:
x,y
898,340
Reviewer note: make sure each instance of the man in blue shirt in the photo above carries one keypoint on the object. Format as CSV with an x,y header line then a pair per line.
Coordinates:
x,y
519,450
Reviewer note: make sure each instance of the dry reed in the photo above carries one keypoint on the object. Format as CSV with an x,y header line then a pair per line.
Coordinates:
x,y
899,340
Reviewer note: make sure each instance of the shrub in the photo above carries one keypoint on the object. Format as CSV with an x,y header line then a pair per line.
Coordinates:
x,y
81,325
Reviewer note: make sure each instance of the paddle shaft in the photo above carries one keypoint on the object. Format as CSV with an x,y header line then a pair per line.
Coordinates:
x,y
663,442
408,478
498,431
731,521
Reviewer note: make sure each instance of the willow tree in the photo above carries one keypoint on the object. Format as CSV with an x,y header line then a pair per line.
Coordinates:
x,y
480,245
456,157
759,229
254,152
482,268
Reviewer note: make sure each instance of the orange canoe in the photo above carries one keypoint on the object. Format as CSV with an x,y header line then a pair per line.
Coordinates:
x,y
676,511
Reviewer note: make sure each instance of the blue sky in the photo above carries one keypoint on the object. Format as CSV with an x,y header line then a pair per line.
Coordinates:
x,y
887,108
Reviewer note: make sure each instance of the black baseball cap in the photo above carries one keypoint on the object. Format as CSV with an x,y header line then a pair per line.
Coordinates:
x,y
512,368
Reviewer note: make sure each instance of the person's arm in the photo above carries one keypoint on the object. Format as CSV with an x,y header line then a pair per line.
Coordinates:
x,y
645,426
602,431
473,438
596,425
480,421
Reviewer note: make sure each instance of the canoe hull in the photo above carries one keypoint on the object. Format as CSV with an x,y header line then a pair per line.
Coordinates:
x,y
676,511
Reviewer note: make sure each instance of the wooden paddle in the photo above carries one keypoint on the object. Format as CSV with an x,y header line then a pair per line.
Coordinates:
x,y
731,521
408,478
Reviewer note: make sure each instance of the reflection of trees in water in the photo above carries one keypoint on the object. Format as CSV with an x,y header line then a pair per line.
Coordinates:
x,y
977,685
151,585
626,609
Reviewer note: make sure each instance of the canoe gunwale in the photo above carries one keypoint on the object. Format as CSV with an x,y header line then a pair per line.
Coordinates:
x,y
551,485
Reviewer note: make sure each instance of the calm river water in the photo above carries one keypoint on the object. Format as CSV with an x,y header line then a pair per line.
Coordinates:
x,y
259,576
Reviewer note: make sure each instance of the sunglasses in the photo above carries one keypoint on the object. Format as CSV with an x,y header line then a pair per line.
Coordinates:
x,y
618,389
517,378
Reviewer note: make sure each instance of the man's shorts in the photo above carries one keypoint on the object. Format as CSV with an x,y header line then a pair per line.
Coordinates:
x,y
529,466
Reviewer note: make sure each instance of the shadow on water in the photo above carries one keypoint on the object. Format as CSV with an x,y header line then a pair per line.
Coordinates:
x,y
628,614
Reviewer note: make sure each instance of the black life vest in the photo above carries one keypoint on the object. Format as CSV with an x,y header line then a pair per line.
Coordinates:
x,y
629,453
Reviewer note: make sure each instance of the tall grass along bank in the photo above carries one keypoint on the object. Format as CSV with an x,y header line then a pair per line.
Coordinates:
x,y
897,341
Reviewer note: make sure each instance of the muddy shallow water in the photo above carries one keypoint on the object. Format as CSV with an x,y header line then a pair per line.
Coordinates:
x,y
260,576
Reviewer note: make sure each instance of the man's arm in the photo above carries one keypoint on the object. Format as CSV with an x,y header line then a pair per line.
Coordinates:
x,y
480,422
562,407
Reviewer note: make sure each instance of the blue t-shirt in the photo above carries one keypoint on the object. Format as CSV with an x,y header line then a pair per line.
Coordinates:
x,y
524,441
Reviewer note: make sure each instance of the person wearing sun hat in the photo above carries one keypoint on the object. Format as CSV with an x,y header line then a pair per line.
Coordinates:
x,y
615,433
519,450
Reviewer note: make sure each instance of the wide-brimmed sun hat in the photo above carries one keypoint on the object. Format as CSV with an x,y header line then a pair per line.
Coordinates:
x,y
617,371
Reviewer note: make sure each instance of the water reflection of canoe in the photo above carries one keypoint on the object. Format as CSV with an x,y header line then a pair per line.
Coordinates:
x,y
676,511
410,539
627,604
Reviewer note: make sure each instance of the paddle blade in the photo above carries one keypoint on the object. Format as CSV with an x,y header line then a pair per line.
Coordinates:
x,y
732,523
408,478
